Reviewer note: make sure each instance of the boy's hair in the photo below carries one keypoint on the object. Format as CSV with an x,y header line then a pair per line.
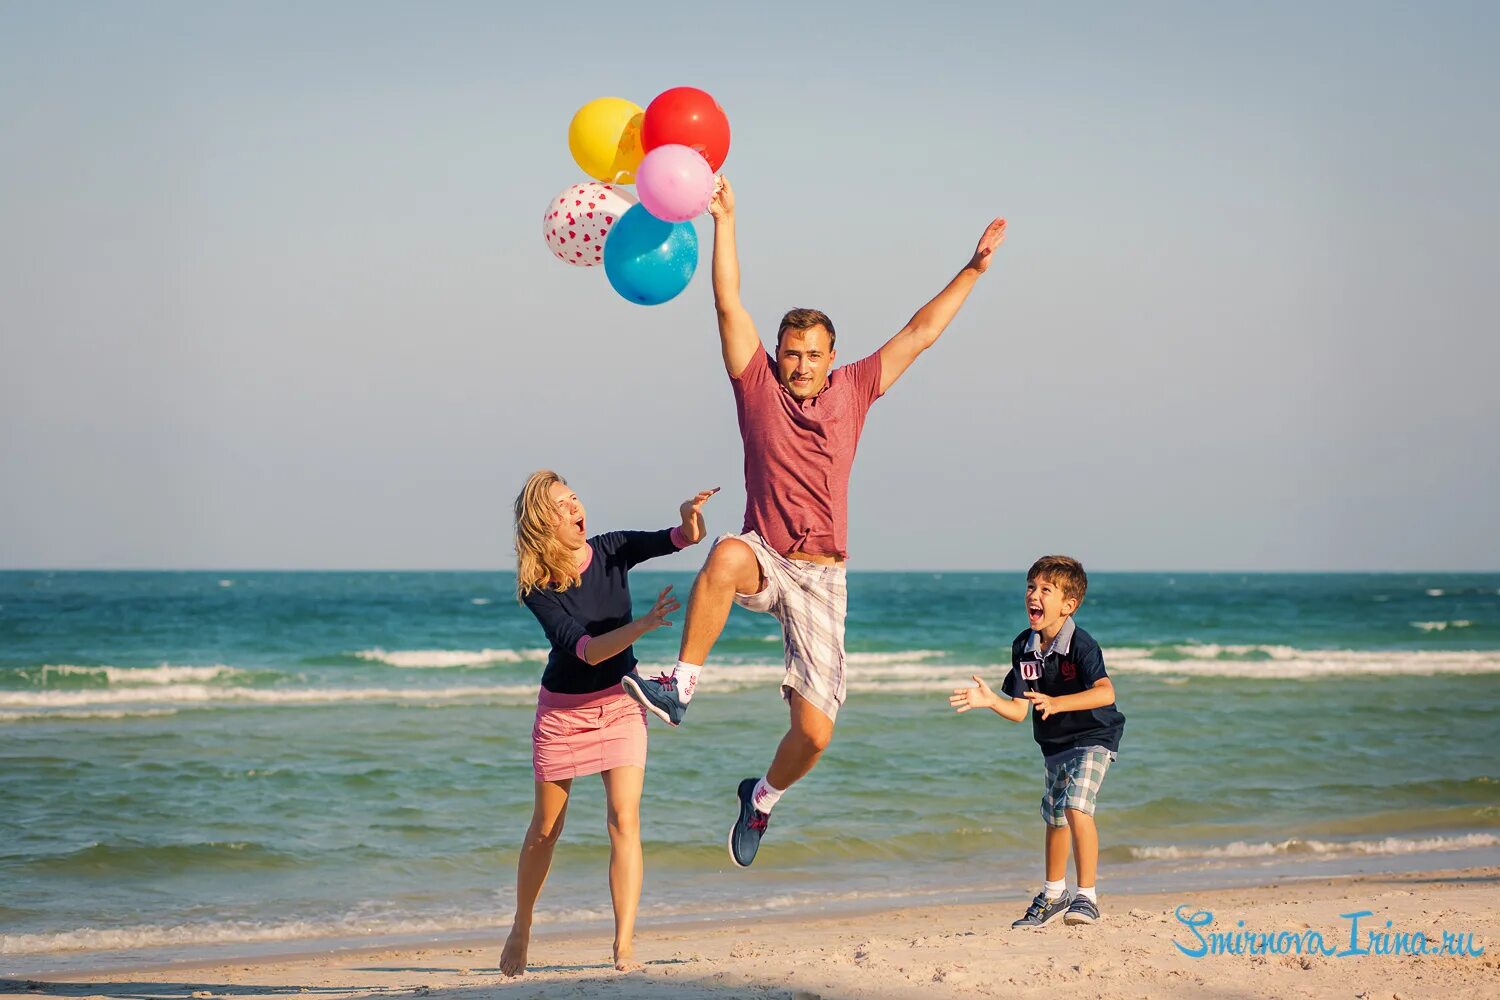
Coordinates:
x,y
1064,572
806,319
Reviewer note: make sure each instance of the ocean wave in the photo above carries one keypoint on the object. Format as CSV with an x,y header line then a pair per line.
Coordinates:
x,y
1268,662
202,694
881,674
1321,848
219,932
1241,662
1441,626
364,922
904,656
434,659
112,859
62,673
148,713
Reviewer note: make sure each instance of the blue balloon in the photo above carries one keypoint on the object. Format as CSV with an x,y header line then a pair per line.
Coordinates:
x,y
649,261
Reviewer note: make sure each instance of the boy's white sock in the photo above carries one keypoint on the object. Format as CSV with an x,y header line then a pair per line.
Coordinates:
x,y
1087,892
765,796
687,679
1054,890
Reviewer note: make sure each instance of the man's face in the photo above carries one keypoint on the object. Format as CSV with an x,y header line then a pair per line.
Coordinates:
x,y
803,358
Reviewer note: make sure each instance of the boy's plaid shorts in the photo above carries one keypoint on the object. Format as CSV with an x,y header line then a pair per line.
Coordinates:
x,y
1074,784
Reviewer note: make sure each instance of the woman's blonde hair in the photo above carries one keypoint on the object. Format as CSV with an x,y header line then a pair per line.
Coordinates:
x,y
541,560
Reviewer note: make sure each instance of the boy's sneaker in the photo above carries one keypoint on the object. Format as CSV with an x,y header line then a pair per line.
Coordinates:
x,y
1082,911
744,836
1043,911
658,694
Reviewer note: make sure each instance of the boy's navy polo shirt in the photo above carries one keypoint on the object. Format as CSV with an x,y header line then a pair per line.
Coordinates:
x,y
600,604
1072,665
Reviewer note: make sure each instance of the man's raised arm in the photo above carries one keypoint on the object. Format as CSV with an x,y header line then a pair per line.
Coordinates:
x,y
737,336
932,319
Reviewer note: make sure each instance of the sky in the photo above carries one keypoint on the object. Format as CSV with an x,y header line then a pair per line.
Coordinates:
x,y
274,294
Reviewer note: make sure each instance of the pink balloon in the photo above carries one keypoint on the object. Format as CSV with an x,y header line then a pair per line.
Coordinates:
x,y
674,183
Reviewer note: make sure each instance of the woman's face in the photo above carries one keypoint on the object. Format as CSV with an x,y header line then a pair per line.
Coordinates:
x,y
569,515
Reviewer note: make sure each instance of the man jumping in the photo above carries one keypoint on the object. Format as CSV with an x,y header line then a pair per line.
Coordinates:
x,y
800,421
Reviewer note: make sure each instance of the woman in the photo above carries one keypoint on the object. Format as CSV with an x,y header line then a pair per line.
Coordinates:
x,y
585,722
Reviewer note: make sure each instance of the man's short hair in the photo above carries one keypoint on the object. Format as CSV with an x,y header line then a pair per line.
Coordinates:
x,y
805,319
1063,572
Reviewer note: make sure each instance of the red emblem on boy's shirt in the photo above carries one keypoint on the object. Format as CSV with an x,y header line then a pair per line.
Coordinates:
x,y
1069,670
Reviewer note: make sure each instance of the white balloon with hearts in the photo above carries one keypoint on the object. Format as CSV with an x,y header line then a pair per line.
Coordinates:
x,y
579,218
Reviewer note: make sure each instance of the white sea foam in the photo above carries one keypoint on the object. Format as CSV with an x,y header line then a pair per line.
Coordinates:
x,y
479,601
363,925
1287,663
424,659
905,656
201,694
222,932
1442,626
164,674
1321,848
1435,592
106,714
902,673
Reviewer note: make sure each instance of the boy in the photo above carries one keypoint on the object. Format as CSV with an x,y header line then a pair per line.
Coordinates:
x,y
1057,668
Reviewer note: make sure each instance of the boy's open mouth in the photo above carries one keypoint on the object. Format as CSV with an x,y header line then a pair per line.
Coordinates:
x,y
1034,612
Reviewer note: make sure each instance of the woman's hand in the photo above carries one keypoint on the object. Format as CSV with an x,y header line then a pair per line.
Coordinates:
x,y
657,617
693,527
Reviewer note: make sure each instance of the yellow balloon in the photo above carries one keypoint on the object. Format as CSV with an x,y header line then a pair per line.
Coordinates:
x,y
605,139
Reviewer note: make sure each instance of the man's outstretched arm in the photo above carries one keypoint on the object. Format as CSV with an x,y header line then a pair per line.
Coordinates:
x,y
737,336
932,319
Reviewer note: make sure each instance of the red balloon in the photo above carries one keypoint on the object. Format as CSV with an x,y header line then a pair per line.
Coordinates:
x,y
689,117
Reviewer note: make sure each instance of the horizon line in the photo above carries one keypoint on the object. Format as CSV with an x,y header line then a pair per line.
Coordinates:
x,y
511,572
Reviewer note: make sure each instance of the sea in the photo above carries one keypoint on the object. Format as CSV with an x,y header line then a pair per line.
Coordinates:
x,y
229,763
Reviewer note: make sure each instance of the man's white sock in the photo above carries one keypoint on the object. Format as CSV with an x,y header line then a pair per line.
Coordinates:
x,y
687,679
1054,890
765,796
1088,893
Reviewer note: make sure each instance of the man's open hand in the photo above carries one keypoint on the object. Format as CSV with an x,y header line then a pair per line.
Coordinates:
x,y
994,235
721,206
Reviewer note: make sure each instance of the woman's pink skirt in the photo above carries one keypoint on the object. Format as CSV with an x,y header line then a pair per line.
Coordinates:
x,y
579,734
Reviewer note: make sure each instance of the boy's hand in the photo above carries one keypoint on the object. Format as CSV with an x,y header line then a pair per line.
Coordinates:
x,y
1043,703
963,699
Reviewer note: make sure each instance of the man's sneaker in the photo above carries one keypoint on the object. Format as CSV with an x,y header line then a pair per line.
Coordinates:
x,y
658,694
1083,911
744,836
1043,910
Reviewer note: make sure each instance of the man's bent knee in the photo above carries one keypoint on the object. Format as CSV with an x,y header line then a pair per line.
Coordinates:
x,y
732,565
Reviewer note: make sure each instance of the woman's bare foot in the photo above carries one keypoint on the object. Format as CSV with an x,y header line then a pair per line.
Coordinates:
x,y
513,958
625,958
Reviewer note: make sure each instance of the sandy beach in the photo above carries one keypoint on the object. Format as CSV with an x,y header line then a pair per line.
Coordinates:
x,y
929,951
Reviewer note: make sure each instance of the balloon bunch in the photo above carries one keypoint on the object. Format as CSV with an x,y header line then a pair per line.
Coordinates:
x,y
670,152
